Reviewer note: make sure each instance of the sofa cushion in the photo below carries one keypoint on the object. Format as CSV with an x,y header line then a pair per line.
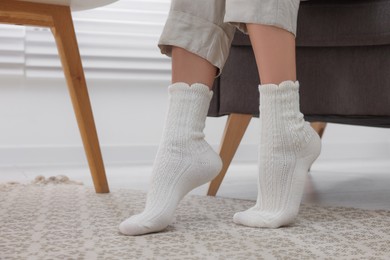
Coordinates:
x,y
339,23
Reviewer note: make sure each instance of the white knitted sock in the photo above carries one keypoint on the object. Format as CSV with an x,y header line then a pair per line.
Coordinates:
x,y
288,147
184,159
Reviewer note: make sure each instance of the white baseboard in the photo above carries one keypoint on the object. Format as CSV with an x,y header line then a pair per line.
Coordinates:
x,y
331,151
145,154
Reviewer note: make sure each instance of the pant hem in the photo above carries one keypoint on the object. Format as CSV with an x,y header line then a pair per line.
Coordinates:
x,y
196,35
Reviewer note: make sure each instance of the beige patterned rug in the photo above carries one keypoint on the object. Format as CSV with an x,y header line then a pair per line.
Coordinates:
x,y
69,221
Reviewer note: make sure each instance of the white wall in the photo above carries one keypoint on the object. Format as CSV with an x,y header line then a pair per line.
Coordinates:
x,y
38,125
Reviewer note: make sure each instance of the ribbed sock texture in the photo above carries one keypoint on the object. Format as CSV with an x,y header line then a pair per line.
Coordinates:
x,y
288,147
183,162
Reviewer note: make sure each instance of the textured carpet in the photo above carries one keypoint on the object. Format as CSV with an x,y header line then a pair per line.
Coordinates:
x,y
69,221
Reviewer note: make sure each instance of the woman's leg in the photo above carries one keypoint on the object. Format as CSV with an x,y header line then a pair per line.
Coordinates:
x,y
198,42
184,159
274,50
288,145
190,68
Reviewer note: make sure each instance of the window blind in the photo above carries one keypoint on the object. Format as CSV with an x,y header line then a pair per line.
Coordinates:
x,y
118,41
12,48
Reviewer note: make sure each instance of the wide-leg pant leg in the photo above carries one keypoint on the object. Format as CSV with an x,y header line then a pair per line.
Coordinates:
x,y
280,13
198,26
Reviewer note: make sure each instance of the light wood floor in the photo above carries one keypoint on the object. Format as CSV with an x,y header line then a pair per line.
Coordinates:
x,y
350,183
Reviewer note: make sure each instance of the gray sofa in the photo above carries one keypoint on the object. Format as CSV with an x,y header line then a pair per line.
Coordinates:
x,y
343,66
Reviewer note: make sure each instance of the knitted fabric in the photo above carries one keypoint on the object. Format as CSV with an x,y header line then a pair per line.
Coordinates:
x,y
183,162
288,147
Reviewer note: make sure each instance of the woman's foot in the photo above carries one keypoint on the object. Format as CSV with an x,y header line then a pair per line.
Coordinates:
x,y
184,160
288,147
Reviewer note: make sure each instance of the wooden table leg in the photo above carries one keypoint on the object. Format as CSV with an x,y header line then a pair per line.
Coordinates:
x,y
65,37
235,128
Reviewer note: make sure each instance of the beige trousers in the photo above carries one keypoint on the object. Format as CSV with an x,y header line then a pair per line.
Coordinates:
x,y
206,27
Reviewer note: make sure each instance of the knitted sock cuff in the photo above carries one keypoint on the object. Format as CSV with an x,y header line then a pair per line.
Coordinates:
x,y
194,91
274,89
284,97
